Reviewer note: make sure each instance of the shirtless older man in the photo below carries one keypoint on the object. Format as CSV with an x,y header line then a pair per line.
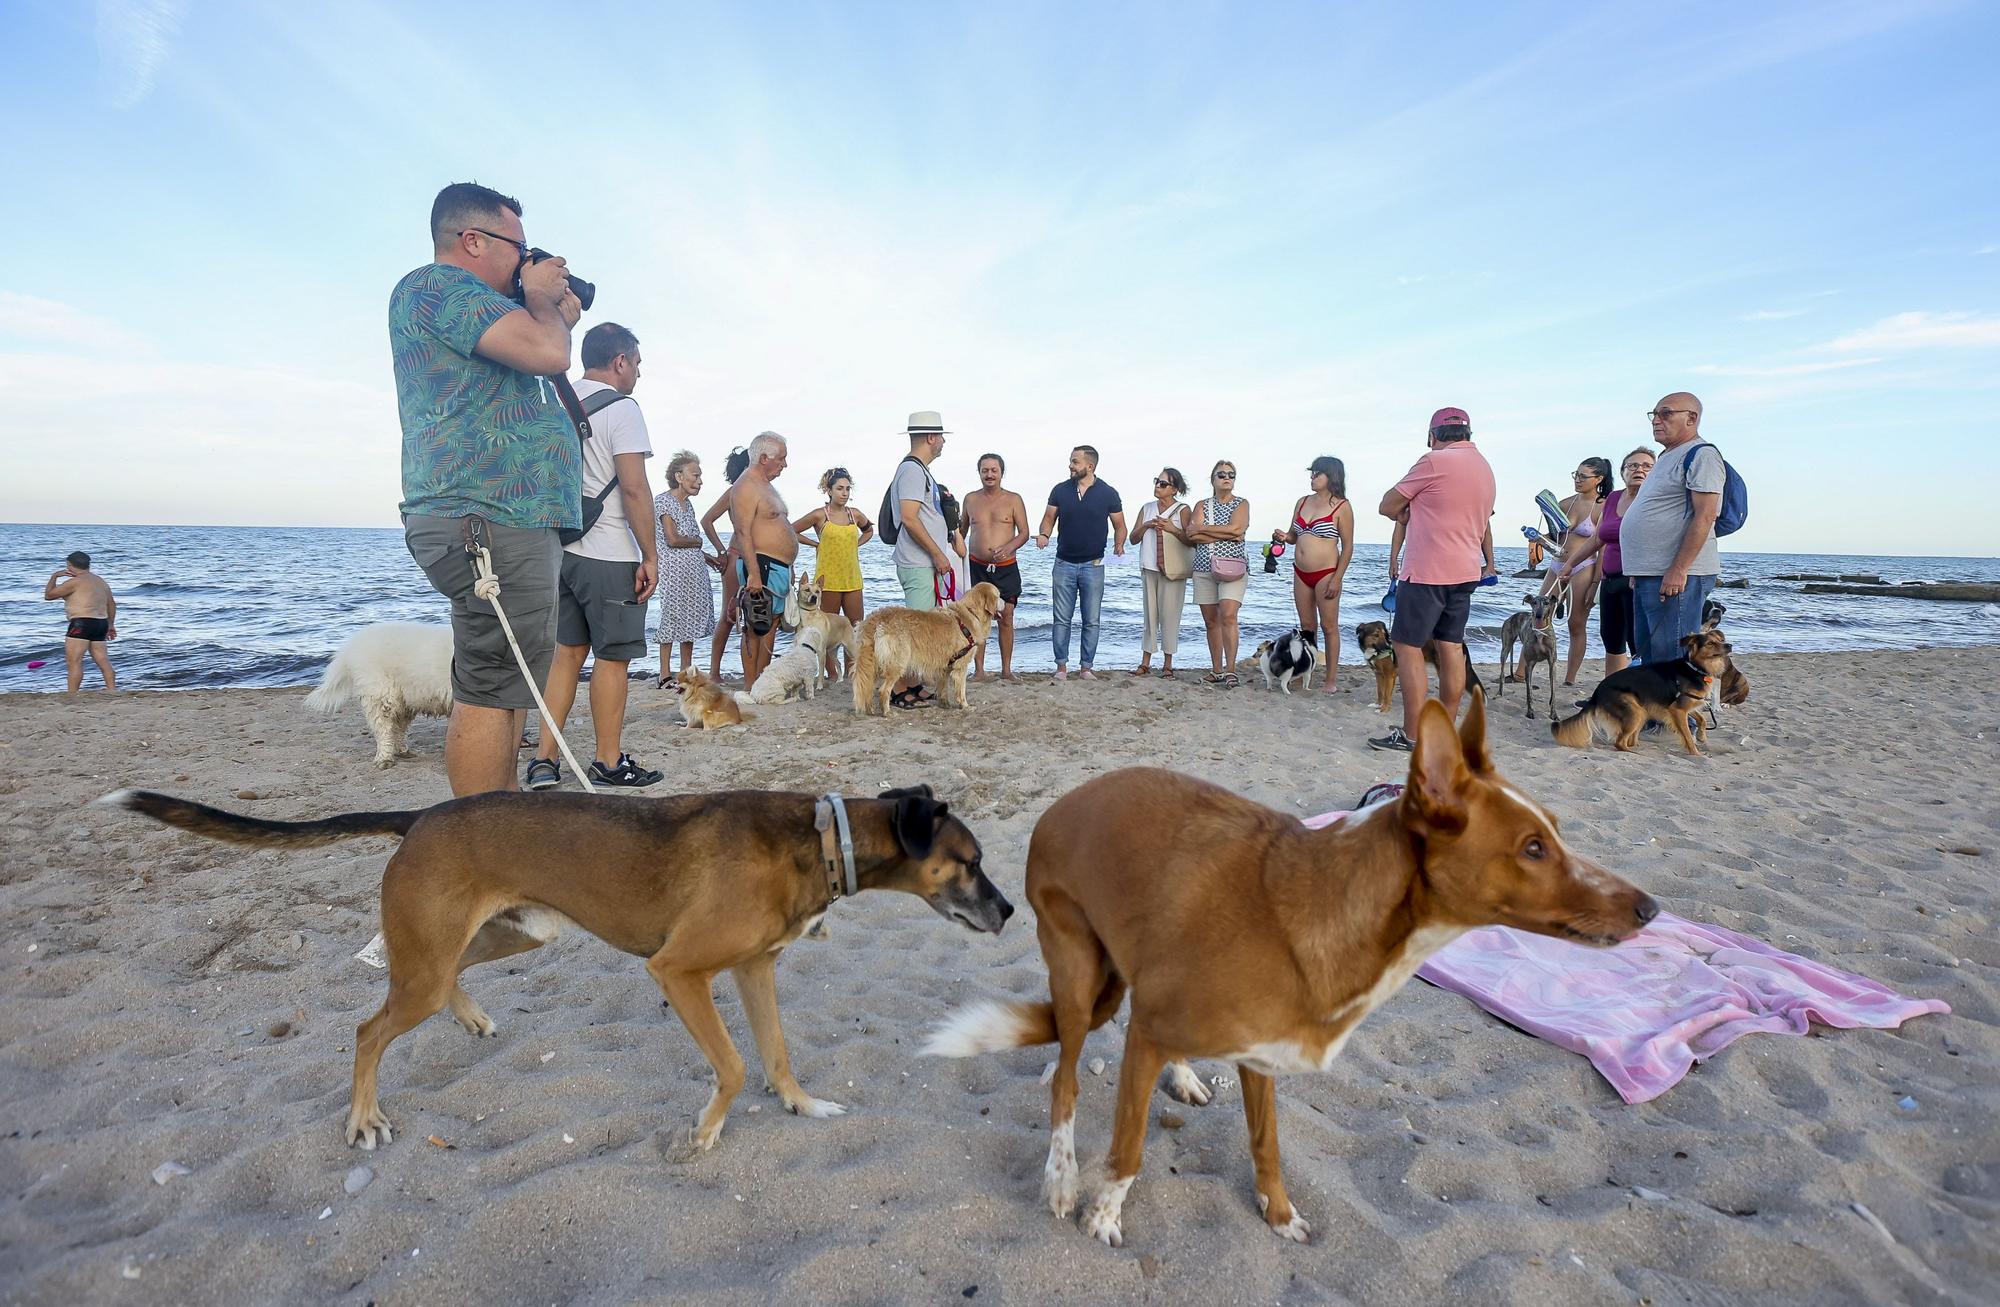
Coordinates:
x,y
761,534
93,617
996,526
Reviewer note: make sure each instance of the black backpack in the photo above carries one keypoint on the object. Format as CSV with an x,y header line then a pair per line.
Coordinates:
x,y
593,505
889,522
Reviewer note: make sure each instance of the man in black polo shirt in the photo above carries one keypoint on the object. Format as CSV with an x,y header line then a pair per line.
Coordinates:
x,y
1085,512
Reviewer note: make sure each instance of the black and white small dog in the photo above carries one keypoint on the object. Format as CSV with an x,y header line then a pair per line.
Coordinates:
x,y
1711,613
1292,655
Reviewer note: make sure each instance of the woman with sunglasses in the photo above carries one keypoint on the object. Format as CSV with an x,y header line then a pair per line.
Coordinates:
x,y
1322,537
1221,570
1614,595
1583,507
1165,516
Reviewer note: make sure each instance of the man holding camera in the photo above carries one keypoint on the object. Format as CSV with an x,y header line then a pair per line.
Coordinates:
x,y
489,455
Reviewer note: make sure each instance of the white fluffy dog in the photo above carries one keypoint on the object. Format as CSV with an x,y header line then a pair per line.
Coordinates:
x,y
792,675
398,671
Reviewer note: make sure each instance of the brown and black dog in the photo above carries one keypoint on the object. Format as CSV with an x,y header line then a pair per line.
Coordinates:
x,y
693,883
1251,938
1372,638
1669,693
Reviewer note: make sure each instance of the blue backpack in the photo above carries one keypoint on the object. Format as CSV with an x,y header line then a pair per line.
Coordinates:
x,y
1735,508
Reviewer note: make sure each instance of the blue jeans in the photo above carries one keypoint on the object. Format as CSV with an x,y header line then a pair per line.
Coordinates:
x,y
1069,581
1658,624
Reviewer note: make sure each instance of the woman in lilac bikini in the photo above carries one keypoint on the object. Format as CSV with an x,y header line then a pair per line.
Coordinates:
x,y
1614,593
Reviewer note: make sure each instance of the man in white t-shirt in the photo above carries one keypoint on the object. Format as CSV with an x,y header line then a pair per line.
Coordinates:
x,y
608,573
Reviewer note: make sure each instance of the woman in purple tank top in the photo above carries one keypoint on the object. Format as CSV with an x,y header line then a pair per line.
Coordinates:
x,y
1614,593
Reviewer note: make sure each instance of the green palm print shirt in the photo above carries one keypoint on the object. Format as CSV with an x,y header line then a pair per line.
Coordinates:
x,y
478,437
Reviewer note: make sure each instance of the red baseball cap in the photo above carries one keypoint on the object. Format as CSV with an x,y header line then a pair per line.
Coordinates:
x,y
1448,416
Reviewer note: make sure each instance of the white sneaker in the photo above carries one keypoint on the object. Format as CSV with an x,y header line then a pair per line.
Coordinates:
x,y
1061,675
1086,675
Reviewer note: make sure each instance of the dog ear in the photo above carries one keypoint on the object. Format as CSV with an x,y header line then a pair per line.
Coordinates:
x,y
1434,800
916,821
907,791
1472,734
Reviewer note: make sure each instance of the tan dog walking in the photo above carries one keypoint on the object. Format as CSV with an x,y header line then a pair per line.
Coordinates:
x,y
695,884
1250,938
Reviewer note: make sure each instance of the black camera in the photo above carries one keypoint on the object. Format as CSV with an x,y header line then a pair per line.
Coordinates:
x,y
583,290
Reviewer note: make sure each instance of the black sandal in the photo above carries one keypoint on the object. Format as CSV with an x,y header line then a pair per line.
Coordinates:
x,y
914,697
756,609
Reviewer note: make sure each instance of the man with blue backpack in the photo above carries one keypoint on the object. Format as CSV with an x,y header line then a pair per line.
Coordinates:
x,y
1669,531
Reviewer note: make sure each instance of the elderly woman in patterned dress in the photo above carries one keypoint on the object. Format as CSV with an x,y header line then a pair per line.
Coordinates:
x,y
687,604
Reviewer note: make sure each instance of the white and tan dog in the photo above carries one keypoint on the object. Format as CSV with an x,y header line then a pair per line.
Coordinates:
x,y
836,632
398,672
795,674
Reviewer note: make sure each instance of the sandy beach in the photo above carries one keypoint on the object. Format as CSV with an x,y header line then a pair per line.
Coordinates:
x,y
173,1000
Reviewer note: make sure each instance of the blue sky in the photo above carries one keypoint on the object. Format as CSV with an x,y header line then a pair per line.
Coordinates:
x,y
1177,232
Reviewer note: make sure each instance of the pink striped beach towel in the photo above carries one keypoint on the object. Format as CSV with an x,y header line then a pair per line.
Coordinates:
x,y
1647,1010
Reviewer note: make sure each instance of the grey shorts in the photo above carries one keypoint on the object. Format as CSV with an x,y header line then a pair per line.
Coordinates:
x,y
525,560
1431,612
597,604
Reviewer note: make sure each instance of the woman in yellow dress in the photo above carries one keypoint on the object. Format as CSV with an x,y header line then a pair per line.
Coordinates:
x,y
841,531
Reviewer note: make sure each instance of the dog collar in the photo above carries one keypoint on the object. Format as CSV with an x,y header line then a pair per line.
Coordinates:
x,y
836,846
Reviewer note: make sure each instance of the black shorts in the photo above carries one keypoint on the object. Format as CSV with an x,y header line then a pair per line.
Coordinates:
x,y
595,606
92,629
1614,613
1431,612
1006,577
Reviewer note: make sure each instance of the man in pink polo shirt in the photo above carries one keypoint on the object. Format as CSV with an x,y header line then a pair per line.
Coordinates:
x,y
1445,505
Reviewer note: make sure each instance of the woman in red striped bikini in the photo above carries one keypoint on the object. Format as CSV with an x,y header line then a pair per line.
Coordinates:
x,y
1322,540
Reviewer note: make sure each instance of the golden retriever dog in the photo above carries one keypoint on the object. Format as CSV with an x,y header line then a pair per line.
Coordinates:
x,y
935,647
803,614
705,704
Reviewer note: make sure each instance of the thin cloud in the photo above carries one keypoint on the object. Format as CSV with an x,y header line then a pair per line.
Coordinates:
x,y
42,323
1780,369
1988,249
1961,329
1772,315
133,36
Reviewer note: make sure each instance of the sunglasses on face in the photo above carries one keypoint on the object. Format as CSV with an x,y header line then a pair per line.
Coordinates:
x,y
520,246
1162,484
1225,476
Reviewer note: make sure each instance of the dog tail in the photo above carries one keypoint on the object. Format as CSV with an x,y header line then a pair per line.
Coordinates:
x,y
336,688
745,698
988,1026
1575,731
863,676
219,825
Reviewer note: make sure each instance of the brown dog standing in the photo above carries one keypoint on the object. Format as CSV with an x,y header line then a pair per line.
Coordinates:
x,y
694,883
1251,938
935,646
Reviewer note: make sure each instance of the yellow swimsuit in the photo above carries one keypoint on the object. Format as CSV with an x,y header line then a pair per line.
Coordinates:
x,y
839,556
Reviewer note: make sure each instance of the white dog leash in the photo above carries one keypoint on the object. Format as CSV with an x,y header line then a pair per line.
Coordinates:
x,y
486,586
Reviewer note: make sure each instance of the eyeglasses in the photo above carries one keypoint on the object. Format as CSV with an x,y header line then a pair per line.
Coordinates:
x,y
1582,472
521,246
1662,414
1225,476
1635,466
1162,483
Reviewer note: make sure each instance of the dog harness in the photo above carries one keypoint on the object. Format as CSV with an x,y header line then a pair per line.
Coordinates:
x,y
1381,656
965,631
836,846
